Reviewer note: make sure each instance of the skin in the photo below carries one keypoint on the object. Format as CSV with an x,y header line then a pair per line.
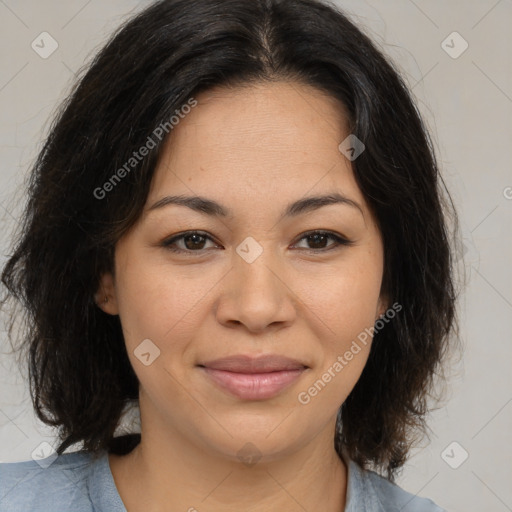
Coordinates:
x,y
254,150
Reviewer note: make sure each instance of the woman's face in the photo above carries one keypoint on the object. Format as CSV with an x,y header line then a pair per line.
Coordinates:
x,y
252,283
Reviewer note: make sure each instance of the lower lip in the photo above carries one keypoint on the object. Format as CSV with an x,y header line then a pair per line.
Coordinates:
x,y
254,386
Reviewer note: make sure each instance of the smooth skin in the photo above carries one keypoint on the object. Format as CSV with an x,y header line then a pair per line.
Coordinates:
x,y
254,150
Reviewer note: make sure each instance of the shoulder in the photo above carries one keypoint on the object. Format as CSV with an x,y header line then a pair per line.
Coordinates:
x,y
380,495
391,495
55,483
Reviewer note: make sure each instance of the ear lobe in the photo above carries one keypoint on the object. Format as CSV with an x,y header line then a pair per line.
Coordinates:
x,y
382,306
105,297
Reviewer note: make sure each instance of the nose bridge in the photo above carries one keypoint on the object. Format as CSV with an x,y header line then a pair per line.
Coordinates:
x,y
253,270
253,266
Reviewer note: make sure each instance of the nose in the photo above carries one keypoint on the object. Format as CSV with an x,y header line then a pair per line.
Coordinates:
x,y
257,294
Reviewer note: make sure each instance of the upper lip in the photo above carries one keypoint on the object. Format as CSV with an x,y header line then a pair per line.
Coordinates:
x,y
249,364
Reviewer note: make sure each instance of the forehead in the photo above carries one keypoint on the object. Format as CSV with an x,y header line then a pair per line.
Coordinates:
x,y
257,140
277,117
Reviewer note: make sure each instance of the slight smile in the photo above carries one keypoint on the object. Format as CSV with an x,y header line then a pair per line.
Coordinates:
x,y
254,378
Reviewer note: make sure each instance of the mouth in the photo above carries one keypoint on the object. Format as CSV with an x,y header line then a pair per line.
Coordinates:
x,y
250,378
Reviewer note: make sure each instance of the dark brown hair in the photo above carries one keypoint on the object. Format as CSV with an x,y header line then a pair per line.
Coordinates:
x,y
80,374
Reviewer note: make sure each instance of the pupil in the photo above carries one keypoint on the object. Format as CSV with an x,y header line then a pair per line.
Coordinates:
x,y
315,238
195,237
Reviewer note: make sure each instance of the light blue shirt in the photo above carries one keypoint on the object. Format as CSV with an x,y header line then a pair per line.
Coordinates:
x,y
75,482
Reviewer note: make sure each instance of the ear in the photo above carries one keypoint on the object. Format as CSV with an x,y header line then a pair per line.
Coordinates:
x,y
382,305
105,297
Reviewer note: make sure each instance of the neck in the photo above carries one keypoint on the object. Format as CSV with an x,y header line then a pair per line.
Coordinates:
x,y
167,471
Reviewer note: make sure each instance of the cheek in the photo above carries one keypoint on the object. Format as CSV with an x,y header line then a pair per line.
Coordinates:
x,y
345,309
159,303
345,300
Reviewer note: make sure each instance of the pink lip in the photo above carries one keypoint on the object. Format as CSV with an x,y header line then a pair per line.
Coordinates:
x,y
254,378
248,364
254,386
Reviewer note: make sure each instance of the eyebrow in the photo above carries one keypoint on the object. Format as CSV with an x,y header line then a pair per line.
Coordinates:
x,y
212,208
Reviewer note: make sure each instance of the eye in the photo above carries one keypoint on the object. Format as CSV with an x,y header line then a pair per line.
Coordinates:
x,y
194,242
317,238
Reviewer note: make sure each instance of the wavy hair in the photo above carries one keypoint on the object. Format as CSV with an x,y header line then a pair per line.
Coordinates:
x,y
79,372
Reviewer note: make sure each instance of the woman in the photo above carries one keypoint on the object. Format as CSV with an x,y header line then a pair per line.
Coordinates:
x,y
236,221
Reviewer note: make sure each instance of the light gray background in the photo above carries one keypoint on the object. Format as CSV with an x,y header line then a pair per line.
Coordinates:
x,y
467,104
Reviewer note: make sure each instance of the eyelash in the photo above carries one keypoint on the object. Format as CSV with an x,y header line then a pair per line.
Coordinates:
x,y
340,241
